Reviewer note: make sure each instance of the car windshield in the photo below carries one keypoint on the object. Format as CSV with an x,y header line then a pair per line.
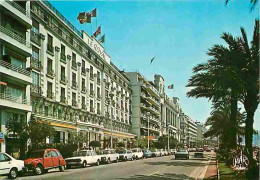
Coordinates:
x,y
36,154
182,150
79,153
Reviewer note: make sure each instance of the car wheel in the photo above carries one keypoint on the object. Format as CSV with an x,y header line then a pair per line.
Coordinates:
x,y
108,161
84,164
116,160
13,173
68,166
62,168
125,158
97,163
38,169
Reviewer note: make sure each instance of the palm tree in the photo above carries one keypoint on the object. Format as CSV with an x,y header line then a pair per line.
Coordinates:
x,y
252,2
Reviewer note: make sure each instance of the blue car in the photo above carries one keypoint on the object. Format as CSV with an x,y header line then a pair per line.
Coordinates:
x,y
147,153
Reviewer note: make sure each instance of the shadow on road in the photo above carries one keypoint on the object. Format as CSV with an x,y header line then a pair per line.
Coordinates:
x,y
176,163
164,176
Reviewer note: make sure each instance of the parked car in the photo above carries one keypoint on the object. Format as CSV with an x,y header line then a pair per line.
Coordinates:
x,y
83,158
137,153
109,155
147,153
156,153
10,166
41,161
161,152
182,153
200,150
173,151
125,155
199,154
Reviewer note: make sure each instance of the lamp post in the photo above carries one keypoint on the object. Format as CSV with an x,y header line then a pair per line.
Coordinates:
x,y
148,134
111,122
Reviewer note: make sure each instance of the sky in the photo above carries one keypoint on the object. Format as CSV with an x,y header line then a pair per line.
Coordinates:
x,y
177,33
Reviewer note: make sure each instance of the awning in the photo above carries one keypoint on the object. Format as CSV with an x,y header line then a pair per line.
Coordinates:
x,y
63,125
119,135
3,83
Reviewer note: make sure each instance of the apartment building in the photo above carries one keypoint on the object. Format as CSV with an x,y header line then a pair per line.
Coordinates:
x,y
15,77
146,108
170,109
188,130
75,86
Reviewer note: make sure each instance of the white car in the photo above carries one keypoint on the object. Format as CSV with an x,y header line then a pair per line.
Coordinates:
x,y
125,155
137,153
156,153
108,156
10,166
83,158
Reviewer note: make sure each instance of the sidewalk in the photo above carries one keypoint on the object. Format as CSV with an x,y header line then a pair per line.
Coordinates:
x,y
212,171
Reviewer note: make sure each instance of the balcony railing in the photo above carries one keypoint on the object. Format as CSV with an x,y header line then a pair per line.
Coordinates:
x,y
63,99
63,57
15,68
50,72
74,64
19,8
36,89
15,36
10,97
63,79
36,63
35,37
50,48
74,84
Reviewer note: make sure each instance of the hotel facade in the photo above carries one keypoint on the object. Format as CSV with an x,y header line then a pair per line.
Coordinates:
x,y
59,74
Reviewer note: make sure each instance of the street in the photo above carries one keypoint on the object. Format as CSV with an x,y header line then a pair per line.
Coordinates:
x,y
153,168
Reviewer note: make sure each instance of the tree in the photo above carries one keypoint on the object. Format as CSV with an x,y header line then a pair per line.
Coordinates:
x,y
252,2
121,144
38,131
95,144
77,138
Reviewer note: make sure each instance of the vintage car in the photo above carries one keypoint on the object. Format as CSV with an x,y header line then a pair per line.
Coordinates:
x,y
83,158
137,153
10,166
41,161
125,155
108,156
182,153
147,153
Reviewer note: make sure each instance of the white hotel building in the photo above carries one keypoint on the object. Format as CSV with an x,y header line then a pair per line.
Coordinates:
x,y
71,78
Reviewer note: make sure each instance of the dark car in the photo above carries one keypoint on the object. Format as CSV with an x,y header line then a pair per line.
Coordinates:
x,y
147,153
198,155
41,161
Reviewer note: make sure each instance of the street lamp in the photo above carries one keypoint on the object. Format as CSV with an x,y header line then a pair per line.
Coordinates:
x,y
111,122
148,134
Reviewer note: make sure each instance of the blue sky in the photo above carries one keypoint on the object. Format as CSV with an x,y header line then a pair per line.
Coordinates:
x,y
178,33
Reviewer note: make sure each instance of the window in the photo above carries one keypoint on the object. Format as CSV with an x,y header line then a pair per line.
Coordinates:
x,y
50,41
49,86
74,96
83,83
35,53
91,106
62,92
62,49
91,69
62,71
74,77
35,26
73,56
54,154
83,64
48,154
49,64
35,78
98,92
91,87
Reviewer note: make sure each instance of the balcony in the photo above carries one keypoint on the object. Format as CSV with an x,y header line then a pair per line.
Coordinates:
x,y
15,72
50,49
74,85
74,65
36,38
36,64
63,58
50,94
50,72
15,40
36,89
63,99
9,100
83,90
91,76
98,80
63,79
83,71
74,103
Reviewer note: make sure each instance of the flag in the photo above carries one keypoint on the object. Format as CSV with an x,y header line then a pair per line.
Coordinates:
x,y
98,31
94,13
82,17
170,86
102,39
152,60
88,17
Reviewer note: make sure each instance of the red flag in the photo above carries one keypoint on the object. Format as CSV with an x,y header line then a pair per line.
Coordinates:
x,y
98,31
94,12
